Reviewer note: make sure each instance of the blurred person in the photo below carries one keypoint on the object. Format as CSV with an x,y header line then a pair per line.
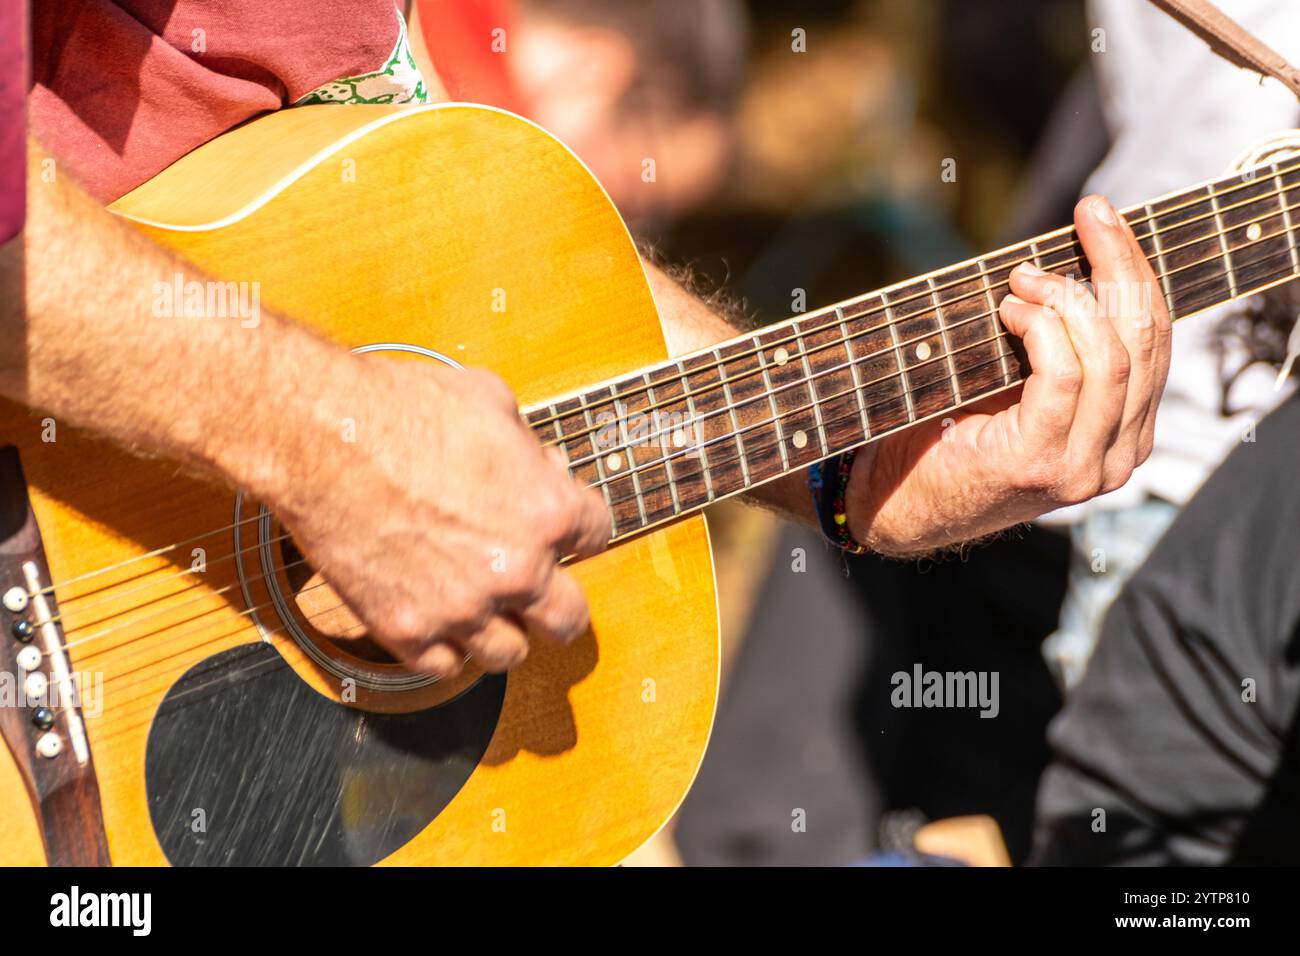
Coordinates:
x,y
1178,743
1177,114
644,93
1181,743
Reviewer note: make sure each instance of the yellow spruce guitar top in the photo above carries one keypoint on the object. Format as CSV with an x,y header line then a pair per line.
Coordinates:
x,y
220,722
231,712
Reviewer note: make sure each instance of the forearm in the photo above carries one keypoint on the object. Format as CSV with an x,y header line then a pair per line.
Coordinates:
x,y
84,341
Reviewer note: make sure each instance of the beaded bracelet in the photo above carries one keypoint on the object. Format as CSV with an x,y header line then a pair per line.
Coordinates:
x,y
828,481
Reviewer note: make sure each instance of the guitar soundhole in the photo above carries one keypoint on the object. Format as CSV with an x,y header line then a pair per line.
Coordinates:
x,y
318,604
248,766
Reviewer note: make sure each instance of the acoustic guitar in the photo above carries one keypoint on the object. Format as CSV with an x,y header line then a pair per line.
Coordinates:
x,y
181,687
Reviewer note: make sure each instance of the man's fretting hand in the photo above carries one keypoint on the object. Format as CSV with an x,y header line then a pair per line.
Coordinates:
x,y
441,524
1083,420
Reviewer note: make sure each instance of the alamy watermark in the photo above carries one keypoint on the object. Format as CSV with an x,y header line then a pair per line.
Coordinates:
x,y
949,689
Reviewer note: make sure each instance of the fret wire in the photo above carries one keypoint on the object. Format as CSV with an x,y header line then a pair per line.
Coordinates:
x,y
1286,219
771,398
1228,270
695,424
853,369
889,431
735,423
943,337
1033,252
1061,248
898,357
563,442
993,315
988,362
1253,290
620,416
812,388
1160,261
902,374
599,459
663,447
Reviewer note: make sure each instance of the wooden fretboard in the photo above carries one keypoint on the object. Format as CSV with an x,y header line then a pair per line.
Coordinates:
x,y
667,440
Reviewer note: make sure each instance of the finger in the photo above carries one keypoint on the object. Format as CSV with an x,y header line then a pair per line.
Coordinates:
x,y
441,659
499,645
1050,395
589,528
1102,358
560,611
1127,289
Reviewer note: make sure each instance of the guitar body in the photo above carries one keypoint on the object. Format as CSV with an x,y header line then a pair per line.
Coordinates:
x,y
223,735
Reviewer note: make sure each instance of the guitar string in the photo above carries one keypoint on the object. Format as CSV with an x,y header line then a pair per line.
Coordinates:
x,y
997,339
643,466
204,627
148,585
1287,273
173,634
807,381
732,435
164,612
181,629
844,339
1273,193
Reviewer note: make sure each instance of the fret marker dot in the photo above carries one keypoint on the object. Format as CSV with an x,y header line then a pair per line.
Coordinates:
x,y
1254,232
799,439
780,356
923,351
680,438
614,462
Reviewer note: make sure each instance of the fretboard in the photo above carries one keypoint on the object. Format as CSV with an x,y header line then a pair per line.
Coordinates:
x,y
669,439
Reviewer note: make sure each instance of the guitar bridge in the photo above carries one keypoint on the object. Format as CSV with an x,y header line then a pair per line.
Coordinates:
x,y
42,723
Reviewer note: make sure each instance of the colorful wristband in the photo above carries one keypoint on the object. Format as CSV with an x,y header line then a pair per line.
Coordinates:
x,y
829,481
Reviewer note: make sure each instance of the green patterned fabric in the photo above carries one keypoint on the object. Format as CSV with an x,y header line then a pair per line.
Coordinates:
x,y
398,81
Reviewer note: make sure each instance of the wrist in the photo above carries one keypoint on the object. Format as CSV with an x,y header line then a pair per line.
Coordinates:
x,y
293,425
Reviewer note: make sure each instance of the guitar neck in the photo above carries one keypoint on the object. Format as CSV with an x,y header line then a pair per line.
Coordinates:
x,y
667,440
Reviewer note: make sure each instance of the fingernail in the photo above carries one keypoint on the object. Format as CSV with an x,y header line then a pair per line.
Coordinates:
x,y
1029,269
1104,212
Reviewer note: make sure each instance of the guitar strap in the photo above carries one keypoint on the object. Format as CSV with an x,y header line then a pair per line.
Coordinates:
x,y
1241,48
1231,40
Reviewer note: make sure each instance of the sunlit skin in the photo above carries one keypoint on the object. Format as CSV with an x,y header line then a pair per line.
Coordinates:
x,y
1078,427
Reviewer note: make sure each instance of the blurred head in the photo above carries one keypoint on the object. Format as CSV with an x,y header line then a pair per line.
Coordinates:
x,y
643,92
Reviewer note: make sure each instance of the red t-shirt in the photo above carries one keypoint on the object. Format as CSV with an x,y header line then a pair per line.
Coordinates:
x,y
13,152
123,89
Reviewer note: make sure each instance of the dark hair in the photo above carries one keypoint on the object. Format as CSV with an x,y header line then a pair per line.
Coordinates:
x,y
692,54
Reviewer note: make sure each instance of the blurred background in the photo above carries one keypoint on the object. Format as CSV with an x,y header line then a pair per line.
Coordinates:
x,y
792,155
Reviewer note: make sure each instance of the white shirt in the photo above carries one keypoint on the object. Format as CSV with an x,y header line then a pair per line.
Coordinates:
x,y
1178,114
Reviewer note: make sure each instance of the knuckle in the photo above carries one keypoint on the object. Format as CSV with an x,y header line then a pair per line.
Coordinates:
x,y
1044,474
1115,476
1118,365
1145,446
440,660
404,627
1075,483
1065,374
499,651
464,611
